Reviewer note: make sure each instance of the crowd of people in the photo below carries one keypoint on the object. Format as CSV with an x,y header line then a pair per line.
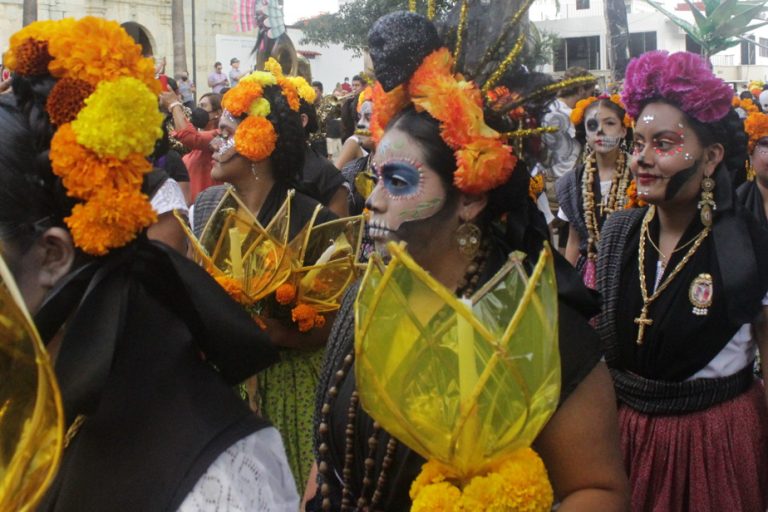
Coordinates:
x,y
193,267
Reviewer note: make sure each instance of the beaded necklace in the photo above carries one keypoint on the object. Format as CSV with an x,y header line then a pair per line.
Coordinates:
x,y
465,289
615,201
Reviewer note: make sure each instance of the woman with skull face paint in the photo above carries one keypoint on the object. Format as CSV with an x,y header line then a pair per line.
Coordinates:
x,y
590,193
360,143
420,198
754,193
684,287
261,158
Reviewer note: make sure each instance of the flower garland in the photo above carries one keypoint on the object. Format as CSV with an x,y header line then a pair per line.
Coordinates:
x,y
756,126
255,136
632,199
519,484
577,114
104,105
483,160
536,187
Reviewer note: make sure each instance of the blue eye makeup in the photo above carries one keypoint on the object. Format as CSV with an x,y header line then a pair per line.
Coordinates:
x,y
401,178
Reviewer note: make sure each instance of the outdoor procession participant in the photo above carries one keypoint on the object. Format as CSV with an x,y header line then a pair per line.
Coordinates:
x,y
146,345
588,194
684,287
447,205
753,193
261,161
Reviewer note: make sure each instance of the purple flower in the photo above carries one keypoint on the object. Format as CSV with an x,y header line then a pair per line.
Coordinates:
x,y
684,79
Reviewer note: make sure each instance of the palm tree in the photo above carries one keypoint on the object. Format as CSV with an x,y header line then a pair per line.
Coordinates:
x,y
29,13
179,38
721,25
618,37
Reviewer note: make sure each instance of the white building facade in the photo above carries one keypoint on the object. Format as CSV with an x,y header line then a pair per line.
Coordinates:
x,y
215,34
581,29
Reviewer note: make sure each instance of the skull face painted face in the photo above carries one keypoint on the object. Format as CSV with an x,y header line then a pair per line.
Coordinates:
x,y
227,162
759,159
667,156
408,193
605,129
364,116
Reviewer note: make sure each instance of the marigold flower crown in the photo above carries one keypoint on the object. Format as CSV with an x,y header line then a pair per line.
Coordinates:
x,y
104,106
756,126
255,137
577,114
683,79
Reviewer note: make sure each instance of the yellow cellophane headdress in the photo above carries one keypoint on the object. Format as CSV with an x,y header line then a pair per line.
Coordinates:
x,y
467,388
104,107
251,261
31,418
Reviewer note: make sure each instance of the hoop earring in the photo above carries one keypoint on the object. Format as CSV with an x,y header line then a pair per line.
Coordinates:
x,y
254,172
468,239
750,170
707,203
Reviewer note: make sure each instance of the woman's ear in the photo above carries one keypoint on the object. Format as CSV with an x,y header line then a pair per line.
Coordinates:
x,y
713,155
57,256
471,205
304,120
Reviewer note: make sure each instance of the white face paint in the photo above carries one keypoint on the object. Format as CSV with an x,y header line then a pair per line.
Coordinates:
x,y
603,127
763,99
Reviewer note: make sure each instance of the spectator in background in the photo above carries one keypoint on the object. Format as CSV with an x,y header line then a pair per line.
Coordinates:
x,y
318,87
234,72
187,89
338,91
217,80
346,87
357,84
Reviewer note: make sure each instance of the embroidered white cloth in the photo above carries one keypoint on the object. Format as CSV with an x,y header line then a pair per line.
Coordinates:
x,y
251,475
169,197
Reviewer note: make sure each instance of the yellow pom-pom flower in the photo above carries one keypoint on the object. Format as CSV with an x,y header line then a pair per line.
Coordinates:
x,y
262,78
118,119
260,108
306,91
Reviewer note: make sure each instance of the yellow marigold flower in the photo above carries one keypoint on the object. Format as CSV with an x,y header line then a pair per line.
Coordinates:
x,y
94,49
83,173
262,78
274,67
260,108
432,472
110,219
119,118
255,138
439,497
306,91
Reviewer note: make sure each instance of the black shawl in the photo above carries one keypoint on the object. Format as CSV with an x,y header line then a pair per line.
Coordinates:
x,y
152,346
748,194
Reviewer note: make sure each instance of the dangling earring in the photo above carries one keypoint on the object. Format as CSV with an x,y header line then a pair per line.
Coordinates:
x,y
707,203
750,170
468,239
253,171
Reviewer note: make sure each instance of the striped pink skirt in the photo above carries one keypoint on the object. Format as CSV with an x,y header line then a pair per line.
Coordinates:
x,y
714,460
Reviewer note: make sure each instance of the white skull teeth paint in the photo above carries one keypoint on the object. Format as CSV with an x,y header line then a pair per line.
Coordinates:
x,y
608,141
378,229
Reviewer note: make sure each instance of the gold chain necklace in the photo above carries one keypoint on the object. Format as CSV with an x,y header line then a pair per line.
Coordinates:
x,y
615,201
664,256
644,320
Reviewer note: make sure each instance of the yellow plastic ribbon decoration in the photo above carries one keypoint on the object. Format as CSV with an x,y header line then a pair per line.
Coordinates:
x,y
31,415
466,386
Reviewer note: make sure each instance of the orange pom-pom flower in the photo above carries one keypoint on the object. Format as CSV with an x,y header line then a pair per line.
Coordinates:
x,y
255,138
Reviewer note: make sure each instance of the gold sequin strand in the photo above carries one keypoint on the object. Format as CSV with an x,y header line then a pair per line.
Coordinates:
x,y
460,32
527,132
431,9
507,29
557,86
412,5
615,200
508,60
644,320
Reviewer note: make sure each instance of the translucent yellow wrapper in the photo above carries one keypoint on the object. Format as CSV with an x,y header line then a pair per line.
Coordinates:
x,y
31,416
464,387
321,260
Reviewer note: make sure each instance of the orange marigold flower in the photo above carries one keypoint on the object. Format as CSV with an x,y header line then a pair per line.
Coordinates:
x,y
66,99
234,289
110,219
536,187
39,31
239,99
305,316
260,322
633,201
255,138
290,93
385,106
319,321
32,57
95,49
285,293
756,126
84,174
483,165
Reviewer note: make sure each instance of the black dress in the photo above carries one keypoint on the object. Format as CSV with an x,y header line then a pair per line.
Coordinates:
x,y
579,351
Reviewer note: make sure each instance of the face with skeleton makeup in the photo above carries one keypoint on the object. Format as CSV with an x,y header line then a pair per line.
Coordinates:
x,y
228,164
410,202
604,128
668,160
759,159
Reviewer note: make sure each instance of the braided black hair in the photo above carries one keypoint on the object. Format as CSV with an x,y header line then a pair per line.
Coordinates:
x,y
288,157
31,196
